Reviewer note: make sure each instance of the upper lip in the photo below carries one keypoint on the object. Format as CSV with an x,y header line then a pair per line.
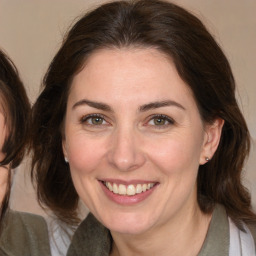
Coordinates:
x,y
128,182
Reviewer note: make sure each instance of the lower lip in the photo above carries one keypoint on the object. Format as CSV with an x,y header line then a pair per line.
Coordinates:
x,y
127,200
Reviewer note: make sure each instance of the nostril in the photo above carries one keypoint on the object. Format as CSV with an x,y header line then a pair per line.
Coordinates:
x,y
126,162
125,153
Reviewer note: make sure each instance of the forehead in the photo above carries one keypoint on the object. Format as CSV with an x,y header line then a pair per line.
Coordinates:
x,y
129,74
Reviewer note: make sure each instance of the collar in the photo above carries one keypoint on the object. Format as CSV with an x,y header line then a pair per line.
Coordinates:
x,y
217,238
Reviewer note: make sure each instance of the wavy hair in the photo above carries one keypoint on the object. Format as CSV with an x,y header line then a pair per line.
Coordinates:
x,y
200,62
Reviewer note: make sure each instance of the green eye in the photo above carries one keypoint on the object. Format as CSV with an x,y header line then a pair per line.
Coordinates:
x,y
96,120
93,119
159,121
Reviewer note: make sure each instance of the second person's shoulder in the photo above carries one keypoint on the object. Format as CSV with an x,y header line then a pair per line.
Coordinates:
x,y
24,234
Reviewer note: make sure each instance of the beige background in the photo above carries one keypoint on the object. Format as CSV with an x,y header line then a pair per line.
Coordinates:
x,y
31,32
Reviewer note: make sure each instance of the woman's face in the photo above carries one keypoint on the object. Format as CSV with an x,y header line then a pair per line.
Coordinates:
x,y
134,140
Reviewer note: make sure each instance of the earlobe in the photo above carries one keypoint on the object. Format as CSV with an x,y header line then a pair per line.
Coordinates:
x,y
64,151
211,140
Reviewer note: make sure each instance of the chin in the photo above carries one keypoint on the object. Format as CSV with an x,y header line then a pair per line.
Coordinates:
x,y
132,229
128,224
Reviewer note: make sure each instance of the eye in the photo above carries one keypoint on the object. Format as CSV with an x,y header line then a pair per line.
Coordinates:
x,y
160,120
93,119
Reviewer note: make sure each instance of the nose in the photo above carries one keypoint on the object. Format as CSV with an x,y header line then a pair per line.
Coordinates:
x,y
125,153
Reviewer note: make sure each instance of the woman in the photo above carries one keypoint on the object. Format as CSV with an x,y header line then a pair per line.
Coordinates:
x,y
138,118
21,234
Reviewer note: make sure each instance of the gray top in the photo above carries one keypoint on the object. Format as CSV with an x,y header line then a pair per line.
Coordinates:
x,y
24,234
217,238
92,238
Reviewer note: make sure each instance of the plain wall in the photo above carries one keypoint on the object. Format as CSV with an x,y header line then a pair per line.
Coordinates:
x,y
31,32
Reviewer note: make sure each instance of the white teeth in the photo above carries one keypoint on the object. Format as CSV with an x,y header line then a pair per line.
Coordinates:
x,y
129,190
138,189
122,189
109,186
115,188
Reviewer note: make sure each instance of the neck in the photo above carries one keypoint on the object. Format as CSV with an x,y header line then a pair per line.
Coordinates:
x,y
181,236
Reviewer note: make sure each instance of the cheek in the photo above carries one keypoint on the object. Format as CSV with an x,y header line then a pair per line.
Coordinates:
x,y
176,155
3,134
84,154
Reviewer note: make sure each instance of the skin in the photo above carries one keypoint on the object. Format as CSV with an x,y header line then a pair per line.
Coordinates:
x,y
3,169
129,144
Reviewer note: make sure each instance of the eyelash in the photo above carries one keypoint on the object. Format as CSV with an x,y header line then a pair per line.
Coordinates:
x,y
85,119
163,117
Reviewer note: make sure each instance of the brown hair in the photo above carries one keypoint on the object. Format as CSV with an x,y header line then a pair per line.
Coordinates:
x,y
16,107
200,63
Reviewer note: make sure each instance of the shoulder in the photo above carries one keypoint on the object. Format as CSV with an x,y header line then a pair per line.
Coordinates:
x,y
25,218
24,234
91,238
26,223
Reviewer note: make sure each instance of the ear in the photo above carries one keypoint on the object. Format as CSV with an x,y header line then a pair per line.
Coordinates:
x,y
212,137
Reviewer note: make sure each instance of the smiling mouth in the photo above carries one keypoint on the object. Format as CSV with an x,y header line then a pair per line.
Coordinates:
x,y
128,190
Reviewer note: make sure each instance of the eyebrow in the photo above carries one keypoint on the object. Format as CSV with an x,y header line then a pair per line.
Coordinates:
x,y
93,104
143,108
160,104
